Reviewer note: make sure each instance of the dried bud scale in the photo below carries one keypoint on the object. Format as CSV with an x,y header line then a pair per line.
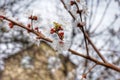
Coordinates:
x,y
35,18
72,3
81,24
30,17
84,76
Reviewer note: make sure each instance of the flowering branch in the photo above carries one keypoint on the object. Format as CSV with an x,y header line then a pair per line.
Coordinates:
x,y
57,29
38,34
82,27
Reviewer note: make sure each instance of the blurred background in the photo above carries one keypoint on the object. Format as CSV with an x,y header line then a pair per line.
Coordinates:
x,y
22,59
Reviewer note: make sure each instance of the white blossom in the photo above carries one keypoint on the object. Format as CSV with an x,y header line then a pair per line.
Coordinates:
x,y
35,41
61,46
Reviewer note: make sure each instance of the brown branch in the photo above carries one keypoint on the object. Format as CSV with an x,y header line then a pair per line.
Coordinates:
x,y
82,28
86,36
39,34
86,44
89,40
107,65
68,10
90,69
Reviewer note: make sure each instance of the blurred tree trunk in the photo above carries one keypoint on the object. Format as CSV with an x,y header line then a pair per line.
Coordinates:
x,y
40,71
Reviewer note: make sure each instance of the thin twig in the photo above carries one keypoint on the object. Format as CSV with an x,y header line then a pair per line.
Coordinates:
x,y
82,29
90,69
68,10
89,40
85,74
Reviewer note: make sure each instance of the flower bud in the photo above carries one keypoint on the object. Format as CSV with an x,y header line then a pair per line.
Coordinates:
x,y
61,35
52,31
30,17
11,25
60,28
35,18
36,28
28,25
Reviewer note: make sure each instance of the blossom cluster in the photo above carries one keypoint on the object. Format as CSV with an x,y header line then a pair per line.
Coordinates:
x,y
59,42
58,30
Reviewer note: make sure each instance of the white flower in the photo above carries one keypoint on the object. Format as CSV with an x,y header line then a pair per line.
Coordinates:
x,y
33,39
61,46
